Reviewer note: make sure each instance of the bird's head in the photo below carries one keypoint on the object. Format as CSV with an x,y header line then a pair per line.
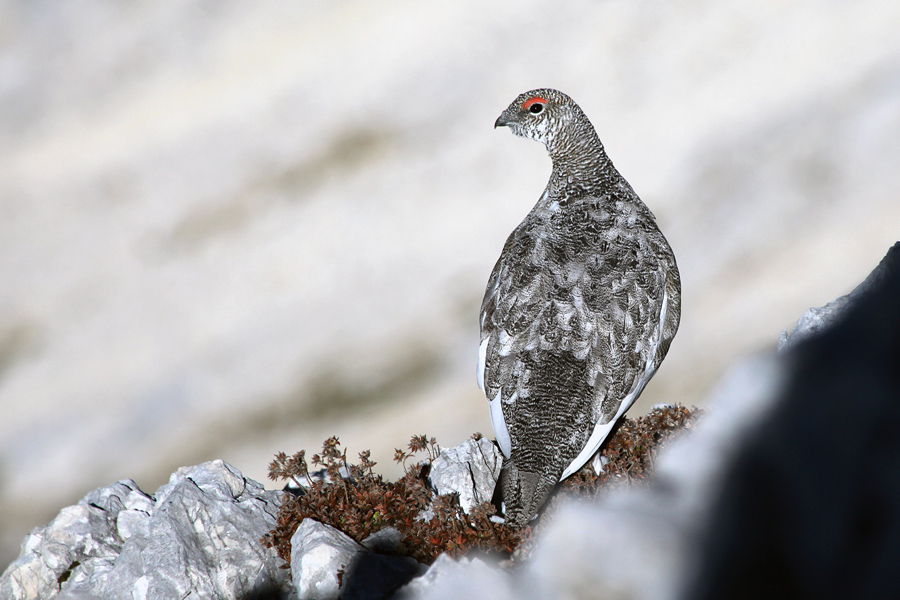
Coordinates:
x,y
547,116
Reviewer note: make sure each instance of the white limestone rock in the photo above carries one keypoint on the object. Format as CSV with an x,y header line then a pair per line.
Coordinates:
x,y
318,552
203,538
470,470
198,535
466,577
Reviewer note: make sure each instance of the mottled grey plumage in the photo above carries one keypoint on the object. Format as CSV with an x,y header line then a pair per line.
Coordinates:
x,y
579,310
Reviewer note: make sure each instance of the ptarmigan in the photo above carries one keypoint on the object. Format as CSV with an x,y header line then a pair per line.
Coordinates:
x,y
579,310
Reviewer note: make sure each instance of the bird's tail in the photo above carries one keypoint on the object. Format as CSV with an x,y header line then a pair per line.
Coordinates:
x,y
524,493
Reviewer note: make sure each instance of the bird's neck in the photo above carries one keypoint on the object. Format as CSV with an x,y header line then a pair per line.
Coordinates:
x,y
580,169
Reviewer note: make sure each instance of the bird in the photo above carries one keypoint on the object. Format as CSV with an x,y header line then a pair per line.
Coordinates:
x,y
578,313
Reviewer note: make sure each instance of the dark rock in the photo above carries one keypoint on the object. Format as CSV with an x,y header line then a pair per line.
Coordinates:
x,y
789,487
820,318
377,576
810,507
385,541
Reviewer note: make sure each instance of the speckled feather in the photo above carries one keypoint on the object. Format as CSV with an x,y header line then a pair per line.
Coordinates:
x,y
579,310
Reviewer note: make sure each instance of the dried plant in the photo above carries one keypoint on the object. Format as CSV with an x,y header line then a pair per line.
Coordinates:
x,y
629,455
359,502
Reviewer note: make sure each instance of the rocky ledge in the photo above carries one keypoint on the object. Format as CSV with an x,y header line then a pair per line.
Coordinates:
x,y
787,488
212,533
200,535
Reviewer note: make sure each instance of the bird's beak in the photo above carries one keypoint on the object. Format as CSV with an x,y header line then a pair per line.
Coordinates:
x,y
503,120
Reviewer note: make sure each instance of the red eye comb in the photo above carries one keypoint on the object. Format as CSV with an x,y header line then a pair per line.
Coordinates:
x,y
531,101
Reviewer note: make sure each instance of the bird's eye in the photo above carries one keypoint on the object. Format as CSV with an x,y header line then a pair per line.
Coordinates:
x,y
534,105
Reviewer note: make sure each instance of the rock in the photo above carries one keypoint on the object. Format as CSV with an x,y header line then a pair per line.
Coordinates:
x,y
449,579
318,552
376,576
385,541
203,538
199,535
810,507
812,321
80,544
470,470
818,319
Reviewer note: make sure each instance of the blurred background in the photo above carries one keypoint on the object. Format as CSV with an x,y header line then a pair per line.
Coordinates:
x,y
229,228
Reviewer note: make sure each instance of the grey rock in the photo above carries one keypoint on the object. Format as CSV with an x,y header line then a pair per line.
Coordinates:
x,y
204,539
318,552
470,470
199,535
636,542
80,543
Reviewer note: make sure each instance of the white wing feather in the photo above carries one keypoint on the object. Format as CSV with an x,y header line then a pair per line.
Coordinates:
x,y
499,423
482,360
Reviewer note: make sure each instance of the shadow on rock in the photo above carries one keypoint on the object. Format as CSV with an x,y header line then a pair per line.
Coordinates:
x,y
377,576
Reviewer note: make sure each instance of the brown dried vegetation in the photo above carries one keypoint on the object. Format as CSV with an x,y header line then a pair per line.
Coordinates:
x,y
359,502
628,455
631,450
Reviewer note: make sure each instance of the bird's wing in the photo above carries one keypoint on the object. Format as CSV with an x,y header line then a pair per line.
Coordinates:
x,y
512,302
